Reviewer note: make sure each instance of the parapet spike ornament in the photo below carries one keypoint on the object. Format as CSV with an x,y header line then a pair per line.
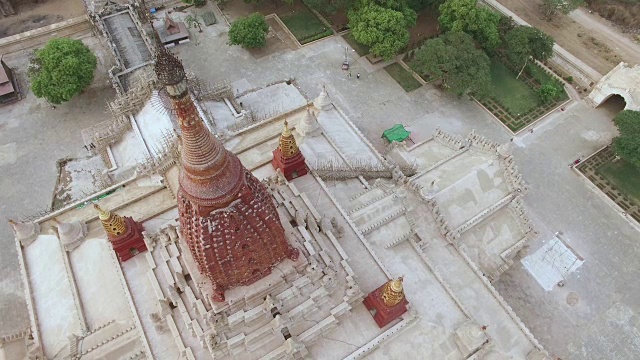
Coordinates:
x,y
309,126
25,232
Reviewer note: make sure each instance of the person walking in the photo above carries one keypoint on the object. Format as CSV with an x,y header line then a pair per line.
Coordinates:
x,y
349,74
358,75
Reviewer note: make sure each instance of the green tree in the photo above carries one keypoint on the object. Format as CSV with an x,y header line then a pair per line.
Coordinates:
x,y
383,29
627,145
467,16
249,32
548,92
525,42
550,8
455,60
505,25
61,70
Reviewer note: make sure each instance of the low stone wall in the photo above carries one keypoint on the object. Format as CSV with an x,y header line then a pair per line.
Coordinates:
x,y
75,27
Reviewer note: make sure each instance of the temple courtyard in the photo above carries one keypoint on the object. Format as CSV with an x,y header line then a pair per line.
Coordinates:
x,y
594,315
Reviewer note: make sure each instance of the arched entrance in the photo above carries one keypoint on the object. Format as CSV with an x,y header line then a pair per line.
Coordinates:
x,y
613,104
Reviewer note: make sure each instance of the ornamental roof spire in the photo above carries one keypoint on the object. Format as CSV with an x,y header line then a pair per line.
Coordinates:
x,y
288,145
112,223
393,292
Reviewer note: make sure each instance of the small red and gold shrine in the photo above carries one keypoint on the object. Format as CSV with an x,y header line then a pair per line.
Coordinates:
x,y
387,302
124,233
287,157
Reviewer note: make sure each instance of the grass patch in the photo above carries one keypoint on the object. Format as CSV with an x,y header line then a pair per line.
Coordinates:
x,y
403,77
513,94
539,74
209,18
624,175
362,50
305,26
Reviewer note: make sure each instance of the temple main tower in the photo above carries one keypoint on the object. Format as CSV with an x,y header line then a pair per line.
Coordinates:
x,y
227,216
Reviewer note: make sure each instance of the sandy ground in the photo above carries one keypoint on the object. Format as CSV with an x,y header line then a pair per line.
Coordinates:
x,y
592,39
30,15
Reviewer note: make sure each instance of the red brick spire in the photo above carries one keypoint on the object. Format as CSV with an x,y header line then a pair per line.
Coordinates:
x,y
227,217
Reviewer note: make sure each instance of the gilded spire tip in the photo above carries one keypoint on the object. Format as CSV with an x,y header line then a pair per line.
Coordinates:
x,y
102,214
286,132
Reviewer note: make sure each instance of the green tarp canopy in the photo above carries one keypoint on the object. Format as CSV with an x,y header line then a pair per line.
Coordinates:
x,y
396,133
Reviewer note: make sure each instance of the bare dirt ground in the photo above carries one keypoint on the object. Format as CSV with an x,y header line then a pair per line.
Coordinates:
x,y
31,16
589,37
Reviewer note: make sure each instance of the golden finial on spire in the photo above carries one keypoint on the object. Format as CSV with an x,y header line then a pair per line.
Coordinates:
x,y
102,214
286,131
393,292
113,224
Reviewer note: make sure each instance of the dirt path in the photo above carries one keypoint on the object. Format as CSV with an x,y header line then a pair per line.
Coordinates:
x,y
32,16
589,37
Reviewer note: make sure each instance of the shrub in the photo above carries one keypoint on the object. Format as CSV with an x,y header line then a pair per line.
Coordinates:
x,y
548,92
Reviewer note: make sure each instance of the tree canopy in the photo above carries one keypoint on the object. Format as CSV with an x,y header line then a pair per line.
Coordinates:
x,y
61,70
418,5
523,42
329,6
627,145
384,29
551,8
454,58
249,32
467,16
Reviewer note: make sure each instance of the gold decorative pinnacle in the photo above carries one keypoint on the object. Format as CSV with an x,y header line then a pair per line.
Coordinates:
x,y
112,223
393,292
287,145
